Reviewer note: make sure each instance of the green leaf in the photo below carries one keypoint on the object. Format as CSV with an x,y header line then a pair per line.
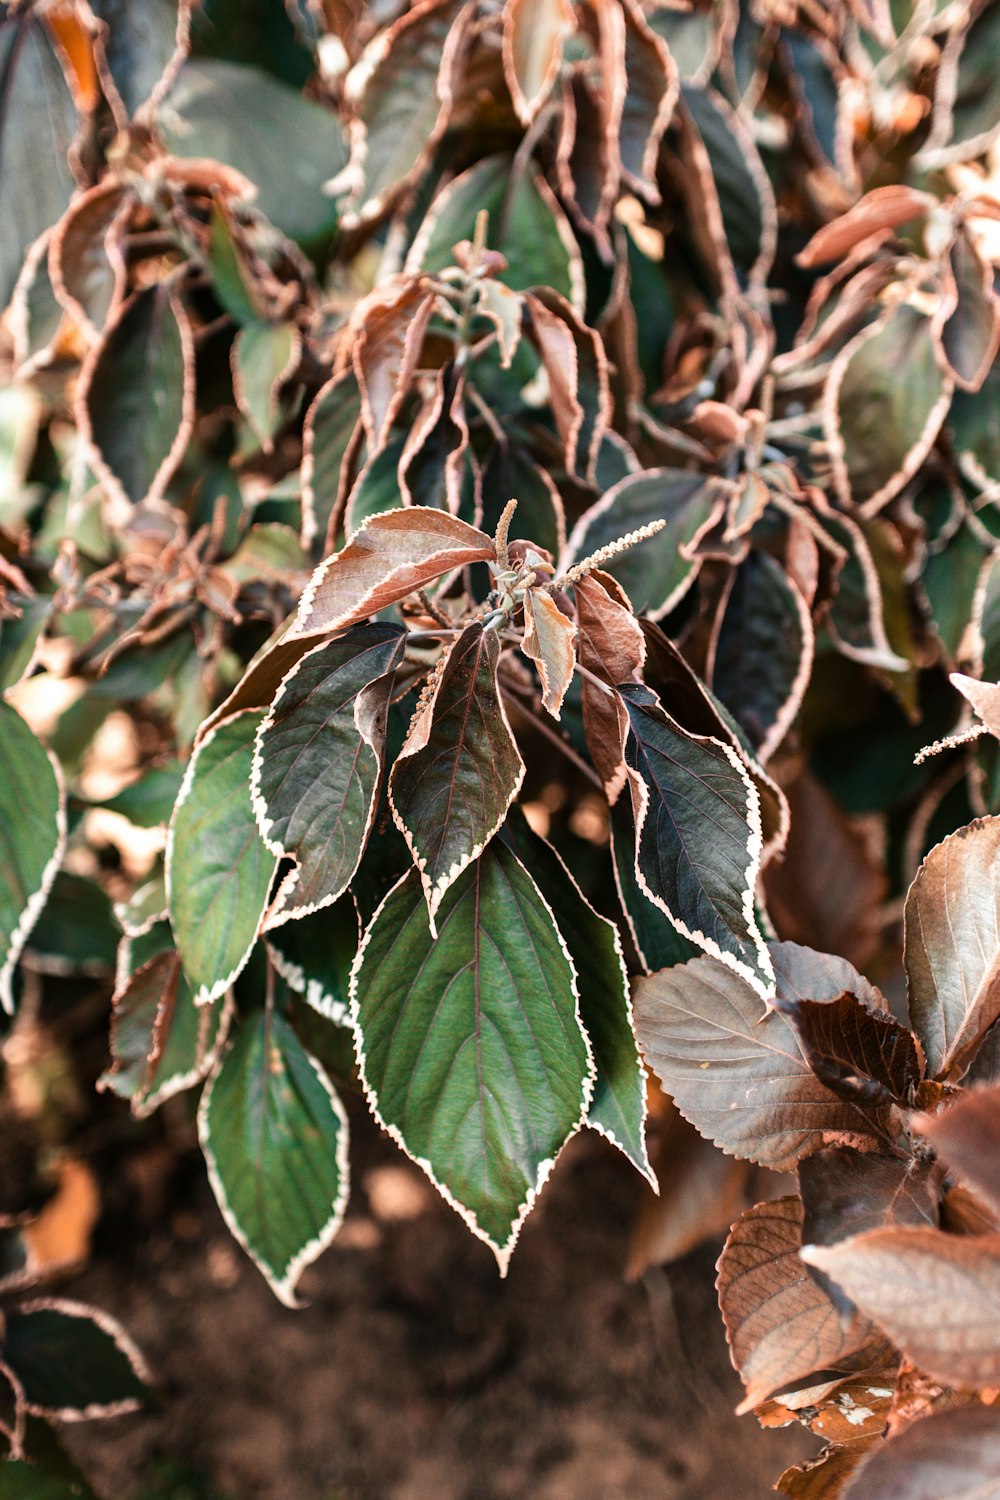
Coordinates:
x,y
657,574
251,121
952,944
470,1045
460,768
37,126
658,944
20,637
526,225
698,840
318,762
23,1481
72,1361
136,401
32,832
618,1107
148,801
264,356
138,45
274,1134
219,870
76,932
314,956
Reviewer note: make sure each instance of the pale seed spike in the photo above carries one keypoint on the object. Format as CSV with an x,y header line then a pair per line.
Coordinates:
x,y
601,556
950,742
503,531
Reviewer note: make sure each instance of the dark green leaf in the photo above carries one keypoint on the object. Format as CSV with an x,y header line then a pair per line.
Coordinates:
x,y
148,801
264,356
314,956
274,1134
32,830
73,1361
76,932
657,942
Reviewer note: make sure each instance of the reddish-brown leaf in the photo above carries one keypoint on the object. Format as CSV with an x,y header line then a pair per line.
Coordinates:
x,y
533,36
857,1054
611,645
883,208
966,1135
952,1455
577,368
549,641
386,332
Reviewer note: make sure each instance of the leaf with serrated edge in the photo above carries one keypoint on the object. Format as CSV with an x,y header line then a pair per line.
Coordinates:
x,y
966,1135
936,1295
549,641
950,1455
532,50
33,820
493,998
781,1326
460,768
218,868
387,331
317,764
390,556
698,835
140,1019
857,1054
984,697
618,1108
952,943
735,1069
314,957
275,1138
53,1345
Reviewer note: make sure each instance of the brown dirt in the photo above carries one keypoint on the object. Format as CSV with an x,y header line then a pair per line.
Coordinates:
x,y
415,1373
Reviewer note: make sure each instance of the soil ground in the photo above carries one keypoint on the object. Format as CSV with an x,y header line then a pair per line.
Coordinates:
x,y
416,1373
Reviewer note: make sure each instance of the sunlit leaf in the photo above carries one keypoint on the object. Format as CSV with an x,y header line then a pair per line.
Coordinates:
x,y
532,50
966,1135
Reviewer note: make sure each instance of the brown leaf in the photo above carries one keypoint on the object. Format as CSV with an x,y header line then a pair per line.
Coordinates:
x,y
952,1455
846,1193
549,637
823,1478
386,332
577,368
935,1295
952,944
803,974
984,697
857,1055
611,645
781,1326
966,1135
883,208
533,35
735,1069
970,336
390,555
86,263
653,90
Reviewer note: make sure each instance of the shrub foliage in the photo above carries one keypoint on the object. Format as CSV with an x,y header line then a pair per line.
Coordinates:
x,y
524,474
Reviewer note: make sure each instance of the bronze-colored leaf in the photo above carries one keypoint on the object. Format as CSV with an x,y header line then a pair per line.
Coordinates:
x,y
611,645
650,99
883,208
533,35
577,368
847,1192
782,1327
984,697
549,641
386,332
823,1478
857,1054
966,1135
970,336
952,1455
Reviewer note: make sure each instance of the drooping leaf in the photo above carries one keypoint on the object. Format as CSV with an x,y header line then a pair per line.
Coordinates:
x,y
970,336
657,574
533,37
610,645
314,955
264,356
274,1134
549,641
331,425
952,943
388,557
736,1070
618,1106
884,403
698,835
966,1135
576,365
936,1295
73,1361
137,45
460,768
219,870
37,126
33,830
250,121
406,101
534,236
657,942
823,1478
781,1325
85,261
745,198
470,1044
763,651
950,1455
650,97
317,764
136,402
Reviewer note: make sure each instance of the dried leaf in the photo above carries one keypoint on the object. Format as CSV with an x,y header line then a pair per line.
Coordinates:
x,y
549,641
611,645
386,331
857,1054
533,35
650,99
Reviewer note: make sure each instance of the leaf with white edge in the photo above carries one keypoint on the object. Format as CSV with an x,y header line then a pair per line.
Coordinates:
x,y
698,835
264,356
32,835
657,942
550,642
618,1107
460,768
653,88
219,870
140,1020
735,1069
135,402
781,1325
984,697
274,1134
318,761
533,36
936,1295
885,399
314,955
387,329
657,574
503,308
389,557
576,366
949,1455
763,652
136,47
971,335
856,619
73,1362
470,1045
952,944
403,88
331,427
